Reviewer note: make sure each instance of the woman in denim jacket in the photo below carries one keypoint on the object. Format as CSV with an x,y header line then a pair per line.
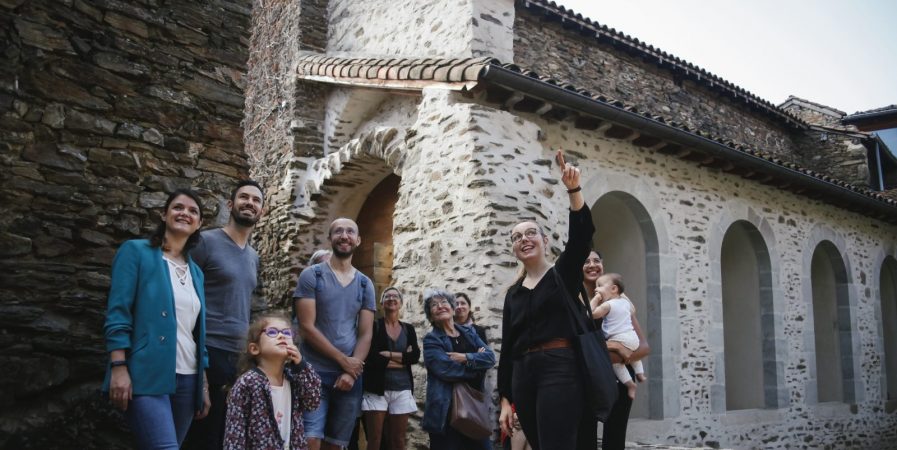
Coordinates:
x,y
452,354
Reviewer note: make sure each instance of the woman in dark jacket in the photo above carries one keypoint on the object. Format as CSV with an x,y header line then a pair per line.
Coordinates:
x,y
452,354
388,383
539,369
464,315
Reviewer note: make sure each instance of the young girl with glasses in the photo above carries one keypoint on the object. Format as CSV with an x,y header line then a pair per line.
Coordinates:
x,y
265,405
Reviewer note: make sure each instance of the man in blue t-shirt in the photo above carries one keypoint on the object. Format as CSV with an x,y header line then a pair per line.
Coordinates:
x,y
230,266
335,309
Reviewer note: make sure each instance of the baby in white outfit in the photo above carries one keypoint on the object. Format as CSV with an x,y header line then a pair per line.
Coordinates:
x,y
617,312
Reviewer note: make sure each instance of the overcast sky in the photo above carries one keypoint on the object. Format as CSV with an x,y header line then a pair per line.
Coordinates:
x,y
835,52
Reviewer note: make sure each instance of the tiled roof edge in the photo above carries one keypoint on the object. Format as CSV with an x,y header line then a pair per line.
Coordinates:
x,y
858,116
662,58
446,70
477,70
717,140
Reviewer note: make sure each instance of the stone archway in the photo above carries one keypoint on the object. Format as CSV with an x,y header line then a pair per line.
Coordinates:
x,y
629,246
339,184
832,325
748,318
830,297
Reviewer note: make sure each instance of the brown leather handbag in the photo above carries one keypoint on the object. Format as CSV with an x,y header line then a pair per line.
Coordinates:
x,y
470,413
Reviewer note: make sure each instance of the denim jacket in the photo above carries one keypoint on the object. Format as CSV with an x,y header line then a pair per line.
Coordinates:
x,y
442,373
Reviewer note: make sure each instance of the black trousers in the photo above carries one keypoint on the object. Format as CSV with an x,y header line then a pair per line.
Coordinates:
x,y
548,395
208,433
614,435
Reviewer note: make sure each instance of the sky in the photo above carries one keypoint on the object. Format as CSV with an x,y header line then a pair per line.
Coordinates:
x,y
841,54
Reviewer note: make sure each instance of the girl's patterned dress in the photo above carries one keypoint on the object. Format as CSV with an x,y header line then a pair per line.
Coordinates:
x,y
250,412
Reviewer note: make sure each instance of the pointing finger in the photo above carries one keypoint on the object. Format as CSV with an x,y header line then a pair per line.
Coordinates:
x,y
559,157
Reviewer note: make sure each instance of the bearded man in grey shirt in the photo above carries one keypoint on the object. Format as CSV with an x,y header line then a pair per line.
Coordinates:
x,y
230,266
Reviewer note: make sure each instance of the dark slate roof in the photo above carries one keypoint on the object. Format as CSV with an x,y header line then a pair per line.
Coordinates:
x,y
481,73
877,113
877,110
550,10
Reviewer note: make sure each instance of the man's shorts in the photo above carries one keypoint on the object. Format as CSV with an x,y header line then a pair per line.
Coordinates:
x,y
395,402
334,420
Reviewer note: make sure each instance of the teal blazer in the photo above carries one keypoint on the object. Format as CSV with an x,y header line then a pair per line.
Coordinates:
x,y
140,319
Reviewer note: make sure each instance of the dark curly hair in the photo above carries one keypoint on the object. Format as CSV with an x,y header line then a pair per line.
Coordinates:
x,y
157,239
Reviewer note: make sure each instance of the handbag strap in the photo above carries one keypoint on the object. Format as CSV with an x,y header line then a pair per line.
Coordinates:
x,y
580,321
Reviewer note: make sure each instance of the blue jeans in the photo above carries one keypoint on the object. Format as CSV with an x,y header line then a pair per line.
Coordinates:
x,y
334,420
162,421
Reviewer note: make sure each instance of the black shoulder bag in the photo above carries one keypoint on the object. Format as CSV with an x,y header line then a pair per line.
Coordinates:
x,y
598,377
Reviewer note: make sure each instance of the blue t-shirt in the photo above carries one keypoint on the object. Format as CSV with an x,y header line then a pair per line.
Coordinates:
x,y
336,311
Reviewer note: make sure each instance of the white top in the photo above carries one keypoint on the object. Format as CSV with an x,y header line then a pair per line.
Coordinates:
x,y
282,402
186,309
619,319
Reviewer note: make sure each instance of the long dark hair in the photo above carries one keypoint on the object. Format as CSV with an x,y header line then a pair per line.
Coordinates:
x,y
469,306
158,236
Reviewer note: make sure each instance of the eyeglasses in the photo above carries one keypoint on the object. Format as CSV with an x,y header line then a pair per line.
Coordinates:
x,y
530,234
439,303
391,297
272,332
347,231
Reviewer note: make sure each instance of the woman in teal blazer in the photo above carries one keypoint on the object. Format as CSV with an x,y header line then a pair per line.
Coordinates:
x,y
155,329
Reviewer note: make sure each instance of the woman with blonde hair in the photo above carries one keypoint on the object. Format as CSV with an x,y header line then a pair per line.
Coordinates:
x,y
539,370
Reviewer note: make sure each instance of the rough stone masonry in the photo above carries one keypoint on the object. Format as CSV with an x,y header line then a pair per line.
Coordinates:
x,y
106,105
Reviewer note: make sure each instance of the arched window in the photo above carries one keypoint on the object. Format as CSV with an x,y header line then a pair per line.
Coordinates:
x,y
627,240
831,325
888,291
748,326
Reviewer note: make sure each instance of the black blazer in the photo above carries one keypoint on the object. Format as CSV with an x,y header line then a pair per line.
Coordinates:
x,y
374,378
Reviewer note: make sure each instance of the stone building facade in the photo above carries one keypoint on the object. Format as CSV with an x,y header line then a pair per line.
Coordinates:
x,y
763,268
761,264
105,107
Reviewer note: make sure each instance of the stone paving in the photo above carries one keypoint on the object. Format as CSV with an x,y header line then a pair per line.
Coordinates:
x,y
643,446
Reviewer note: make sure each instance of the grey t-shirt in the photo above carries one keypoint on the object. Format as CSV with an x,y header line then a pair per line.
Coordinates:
x,y
336,310
231,274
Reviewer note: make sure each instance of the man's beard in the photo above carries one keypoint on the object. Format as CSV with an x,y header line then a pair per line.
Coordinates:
x,y
242,220
341,254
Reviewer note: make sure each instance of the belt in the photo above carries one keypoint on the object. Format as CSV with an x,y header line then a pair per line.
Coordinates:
x,y
549,345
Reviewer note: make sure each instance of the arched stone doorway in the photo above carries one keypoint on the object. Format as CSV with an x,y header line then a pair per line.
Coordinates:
x,y
361,182
832,325
627,240
888,291
748,328
375,224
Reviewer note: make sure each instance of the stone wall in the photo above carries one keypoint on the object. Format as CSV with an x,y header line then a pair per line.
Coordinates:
x,y
831,147
422,28
283,129
105,106
692,208
470,171
551,50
